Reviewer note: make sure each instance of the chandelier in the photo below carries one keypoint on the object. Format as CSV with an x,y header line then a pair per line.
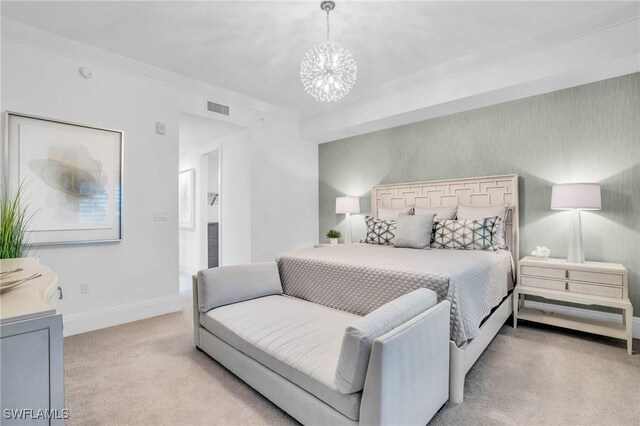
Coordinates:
x,y
328,70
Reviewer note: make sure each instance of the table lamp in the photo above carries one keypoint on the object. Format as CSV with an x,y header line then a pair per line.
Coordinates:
x,y
347,205
576,197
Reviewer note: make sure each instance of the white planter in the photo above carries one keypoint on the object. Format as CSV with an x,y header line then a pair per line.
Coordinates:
x,y
333,241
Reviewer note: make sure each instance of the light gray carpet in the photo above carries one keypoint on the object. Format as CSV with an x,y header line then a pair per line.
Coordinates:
x,y
149,372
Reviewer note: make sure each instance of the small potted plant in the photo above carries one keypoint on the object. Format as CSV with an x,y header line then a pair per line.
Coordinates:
x,y
333,236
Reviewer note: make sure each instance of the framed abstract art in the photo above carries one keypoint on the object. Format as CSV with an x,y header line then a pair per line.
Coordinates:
x,y
72,177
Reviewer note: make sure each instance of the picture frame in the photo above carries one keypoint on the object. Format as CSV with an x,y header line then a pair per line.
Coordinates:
x,y
71,176
186,199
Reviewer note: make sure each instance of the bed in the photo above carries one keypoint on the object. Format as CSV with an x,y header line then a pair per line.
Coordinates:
x,y
360,277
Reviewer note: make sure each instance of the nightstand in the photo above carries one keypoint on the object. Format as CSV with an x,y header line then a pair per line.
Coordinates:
x,y
327,245
589,283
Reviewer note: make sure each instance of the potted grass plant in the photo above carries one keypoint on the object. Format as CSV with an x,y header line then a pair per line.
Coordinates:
x,y
14,219
333,236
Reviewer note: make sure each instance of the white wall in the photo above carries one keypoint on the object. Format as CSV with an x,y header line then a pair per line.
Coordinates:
x,y
237,235
138,277
285,189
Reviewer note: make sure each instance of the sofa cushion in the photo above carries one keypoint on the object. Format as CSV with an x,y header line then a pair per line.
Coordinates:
x,y
232,284
359,336
297,339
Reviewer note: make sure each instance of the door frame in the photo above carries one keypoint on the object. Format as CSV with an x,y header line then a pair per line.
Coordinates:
x,y
203,197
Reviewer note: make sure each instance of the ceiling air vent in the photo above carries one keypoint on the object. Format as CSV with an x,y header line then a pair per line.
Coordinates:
x,y
219,108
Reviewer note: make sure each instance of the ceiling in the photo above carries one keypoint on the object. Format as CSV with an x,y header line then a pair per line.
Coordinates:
x,y
255,48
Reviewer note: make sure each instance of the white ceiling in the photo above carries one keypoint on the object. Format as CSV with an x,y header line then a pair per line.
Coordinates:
x,y
255,48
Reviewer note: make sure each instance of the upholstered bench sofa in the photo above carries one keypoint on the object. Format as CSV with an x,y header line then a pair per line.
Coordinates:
x,y
321,365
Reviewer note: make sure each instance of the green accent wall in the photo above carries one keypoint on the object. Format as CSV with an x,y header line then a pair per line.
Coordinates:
x,y
588,133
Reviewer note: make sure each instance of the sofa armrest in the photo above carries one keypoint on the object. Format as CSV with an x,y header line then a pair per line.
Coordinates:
x,y
408,374
232,284
359,337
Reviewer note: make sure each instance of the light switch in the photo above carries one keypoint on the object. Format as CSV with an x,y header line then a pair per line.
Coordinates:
x,y
159,216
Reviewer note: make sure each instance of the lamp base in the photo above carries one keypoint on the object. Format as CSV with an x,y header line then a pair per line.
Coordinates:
x,y
576,249
347,238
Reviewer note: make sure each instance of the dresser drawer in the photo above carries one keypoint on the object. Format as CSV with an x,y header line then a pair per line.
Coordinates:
x,y
596,290
542,283
595,277
544,272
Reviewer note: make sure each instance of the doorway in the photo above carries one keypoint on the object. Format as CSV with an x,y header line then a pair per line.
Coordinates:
x,y
212,217
202,145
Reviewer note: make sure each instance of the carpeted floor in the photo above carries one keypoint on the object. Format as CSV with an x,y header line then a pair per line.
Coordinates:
x,y
149,372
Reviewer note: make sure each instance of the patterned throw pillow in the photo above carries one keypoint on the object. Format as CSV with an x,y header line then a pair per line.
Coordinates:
x,y
466,234
381,232
480,212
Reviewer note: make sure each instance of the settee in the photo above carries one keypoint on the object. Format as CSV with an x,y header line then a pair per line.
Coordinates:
x,y
321,365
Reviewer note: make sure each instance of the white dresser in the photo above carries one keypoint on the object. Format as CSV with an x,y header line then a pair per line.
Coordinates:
x,y
589,283
31,348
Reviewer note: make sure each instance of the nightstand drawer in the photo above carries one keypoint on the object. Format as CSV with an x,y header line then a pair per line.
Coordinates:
x,y
542,283
595,277
544,272
596,290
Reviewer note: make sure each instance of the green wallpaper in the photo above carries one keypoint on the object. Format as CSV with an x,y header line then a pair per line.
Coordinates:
x,y
589,133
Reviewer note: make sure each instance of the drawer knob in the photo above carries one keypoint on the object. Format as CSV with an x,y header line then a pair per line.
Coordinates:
x,y
566,286
60,290
566,274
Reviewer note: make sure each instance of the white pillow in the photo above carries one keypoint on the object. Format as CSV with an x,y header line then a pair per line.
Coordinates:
x,y
482,212
388,213
440,212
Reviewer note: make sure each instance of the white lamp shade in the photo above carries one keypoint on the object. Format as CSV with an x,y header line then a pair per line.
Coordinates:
x,y
579,196
347,205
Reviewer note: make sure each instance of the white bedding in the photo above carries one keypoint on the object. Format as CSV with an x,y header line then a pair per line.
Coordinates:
x,y
359,278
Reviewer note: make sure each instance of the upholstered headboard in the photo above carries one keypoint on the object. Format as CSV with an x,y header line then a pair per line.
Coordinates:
x,y
477,191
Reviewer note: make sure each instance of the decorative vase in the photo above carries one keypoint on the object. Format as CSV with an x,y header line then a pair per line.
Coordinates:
x,y
333,241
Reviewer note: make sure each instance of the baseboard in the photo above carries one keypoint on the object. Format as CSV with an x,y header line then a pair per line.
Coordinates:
x,y
189,269
584,313
102,318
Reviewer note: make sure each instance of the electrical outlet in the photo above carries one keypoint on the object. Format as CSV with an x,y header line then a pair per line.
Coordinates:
x,y
84,288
